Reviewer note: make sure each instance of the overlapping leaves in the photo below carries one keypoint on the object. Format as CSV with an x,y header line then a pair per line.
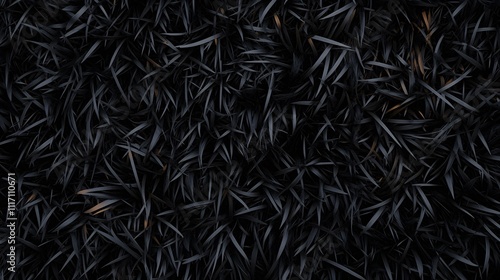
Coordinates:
x,y
246,140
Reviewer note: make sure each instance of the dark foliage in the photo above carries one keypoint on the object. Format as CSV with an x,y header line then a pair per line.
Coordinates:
x,y
252,139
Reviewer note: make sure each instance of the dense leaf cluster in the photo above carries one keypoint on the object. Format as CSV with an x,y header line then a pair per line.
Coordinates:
x,y
252,139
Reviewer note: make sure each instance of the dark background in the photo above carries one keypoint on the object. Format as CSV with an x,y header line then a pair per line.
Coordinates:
x,y
252,139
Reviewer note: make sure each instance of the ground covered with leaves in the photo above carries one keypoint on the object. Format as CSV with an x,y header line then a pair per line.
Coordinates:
x,y
252,139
